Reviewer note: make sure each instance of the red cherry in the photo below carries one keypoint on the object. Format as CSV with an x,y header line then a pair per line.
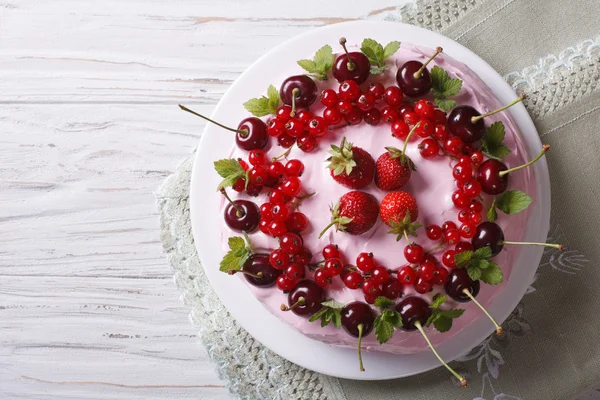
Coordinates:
x,y
349,90
448,258
377,90
380,275
372,116
452,236
329,98
425,109
407,275
429,148
365,262
393,96
331,251
317,126
434,232
400,129
332,116
392,289
333,266
322,278
414,253
353,280
297,222
279,259
422,286
426,271
389,114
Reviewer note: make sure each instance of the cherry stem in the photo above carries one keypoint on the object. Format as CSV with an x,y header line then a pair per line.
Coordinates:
x,y
545,148
258,275
417,74
553,245
408,138
512,103
351,66
295,93
463,381
283,155
498,327
240,131
439,246
301,300
239,210
360,333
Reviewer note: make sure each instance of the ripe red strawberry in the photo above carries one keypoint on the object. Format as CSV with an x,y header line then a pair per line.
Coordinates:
x,y
393,169
351,166
399,211
355,213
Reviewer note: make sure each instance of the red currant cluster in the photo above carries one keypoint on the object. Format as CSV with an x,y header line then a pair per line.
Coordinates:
x,y
302,128
291,258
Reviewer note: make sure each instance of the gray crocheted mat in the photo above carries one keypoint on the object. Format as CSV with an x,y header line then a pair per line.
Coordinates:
x,y
555,84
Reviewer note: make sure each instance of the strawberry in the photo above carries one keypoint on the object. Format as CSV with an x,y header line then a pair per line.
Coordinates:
x,y
393,169
355,213
351,166
399,211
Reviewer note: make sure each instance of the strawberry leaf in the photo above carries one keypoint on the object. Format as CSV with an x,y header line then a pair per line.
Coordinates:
x,y
342,158
404,227
230,170
492,141
261,106
320,65
404,159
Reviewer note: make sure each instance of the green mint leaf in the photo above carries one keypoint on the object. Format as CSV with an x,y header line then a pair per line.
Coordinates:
x,y
439,77
442,324
432,318
461,259
492,141
444,104
318,314
336,318
474,273
378,70
453,313
513,201
492,214
390,49
333,304
374,51
274,100
481,264
438,300
237,255
393,317
326,318
229,262
492,275
382,301
236,243
383,330
452,87
230,170
483,252
261,106
320,65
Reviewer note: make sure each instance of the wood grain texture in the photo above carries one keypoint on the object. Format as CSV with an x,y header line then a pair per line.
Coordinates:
x,y
88,131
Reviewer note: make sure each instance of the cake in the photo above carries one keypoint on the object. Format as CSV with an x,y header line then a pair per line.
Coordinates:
x,y
400,132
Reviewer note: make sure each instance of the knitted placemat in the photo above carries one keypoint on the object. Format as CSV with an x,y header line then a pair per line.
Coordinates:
x,y
253,372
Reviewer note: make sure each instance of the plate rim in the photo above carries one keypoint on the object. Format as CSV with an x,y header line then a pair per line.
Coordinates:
x,y
541,211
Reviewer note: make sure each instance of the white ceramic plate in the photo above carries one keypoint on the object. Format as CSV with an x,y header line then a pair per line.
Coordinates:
x,y
267,328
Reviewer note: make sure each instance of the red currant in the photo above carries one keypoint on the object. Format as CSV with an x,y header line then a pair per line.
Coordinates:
x,y
239,185
365,262
371,297
372,116
476,206
294,127
460,199
285,140
291,186
440,133
321,278
463,246
290,243
463,215
332,116
370,286
284,283
407,275
434,232
366,101
279,259
329,98
303,257
475,217
294,167
448,226
353,280
448,258
265,210
275,127
304,116
276,169
297,222
331,251
349,90
307,143
295,272
389,114
400,129
283,113
414,253
429,148
380,274
344,106
472,188
452,236
317,126
477,158
258,175
426,271
354,116
333,266
425,128
277,228
377,90
263,225
439,117
467,230
425,109
462,172
393,96
422,286
392,289
410,117
404,108
453,146
440,276
280,212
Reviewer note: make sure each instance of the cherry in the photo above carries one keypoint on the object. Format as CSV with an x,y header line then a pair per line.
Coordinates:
x,y
429,148
493,174
413,77
333,266
332,116
414,253
458,280
407,275
434,232
392,289
258,271
349,90
251,133
297,222
358,320
372,116
305,298
331,251
294,168
279,259
353,280
329,98
241,215
290,243
466,122
415,312
365,262
299,91
488,234
351,66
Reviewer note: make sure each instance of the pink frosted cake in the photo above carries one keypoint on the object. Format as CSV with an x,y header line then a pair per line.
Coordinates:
x,y
402,153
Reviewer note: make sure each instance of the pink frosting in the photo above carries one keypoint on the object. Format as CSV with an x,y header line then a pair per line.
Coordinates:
x,y
432,185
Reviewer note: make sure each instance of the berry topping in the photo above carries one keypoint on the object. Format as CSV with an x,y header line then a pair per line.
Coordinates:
x,y
351,166
355,213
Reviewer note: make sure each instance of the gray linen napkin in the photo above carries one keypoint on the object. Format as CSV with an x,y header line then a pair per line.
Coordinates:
x,y
550,351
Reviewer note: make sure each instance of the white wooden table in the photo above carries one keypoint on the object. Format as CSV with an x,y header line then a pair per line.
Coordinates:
x,y
89,128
